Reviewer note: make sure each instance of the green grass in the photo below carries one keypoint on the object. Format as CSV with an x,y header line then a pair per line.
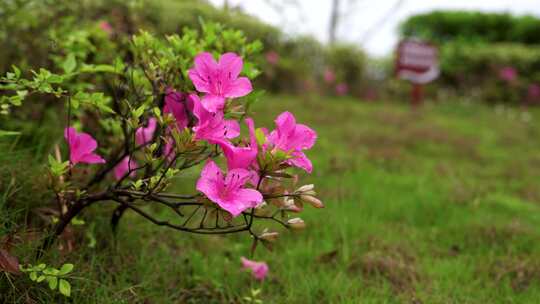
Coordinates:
x,y
439,205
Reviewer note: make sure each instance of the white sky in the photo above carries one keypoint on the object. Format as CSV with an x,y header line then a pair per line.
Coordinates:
x,y
365,16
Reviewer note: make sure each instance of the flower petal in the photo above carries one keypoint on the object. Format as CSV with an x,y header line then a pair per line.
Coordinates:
x,y
213,103
91,158
238,88
300,160
231,65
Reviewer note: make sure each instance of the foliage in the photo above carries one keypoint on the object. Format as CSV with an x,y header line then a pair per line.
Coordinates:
x,y
55,278
445,26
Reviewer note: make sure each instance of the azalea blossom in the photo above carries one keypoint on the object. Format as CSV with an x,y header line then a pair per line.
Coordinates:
x,y
124,166
329,76
81,147
292,138
272,57
259,270
144,135
508,74
219,80
342,89
212,126
175,104
241,157
228,191
533,91
106,27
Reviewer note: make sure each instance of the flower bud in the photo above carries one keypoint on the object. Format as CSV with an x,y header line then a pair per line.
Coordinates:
x,y
313,201
305,188
269,236
296,223
289,205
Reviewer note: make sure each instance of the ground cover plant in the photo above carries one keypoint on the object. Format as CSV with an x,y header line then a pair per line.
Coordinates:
x,y
416,204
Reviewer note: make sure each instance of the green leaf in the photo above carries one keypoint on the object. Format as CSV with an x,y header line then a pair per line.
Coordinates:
x,y
69,64
8,133
53,282
65,288
33,275
66,268
16,71
41,278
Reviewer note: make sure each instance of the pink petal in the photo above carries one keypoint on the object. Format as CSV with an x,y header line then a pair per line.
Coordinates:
x,y
86,143
238,88
237,157
249,197
303,137
231,65
252,137
232,128
205,67
144,135
126,165
300,160
213,103
285,122
211,181
70,134
259,270
174,105
91,158
201,84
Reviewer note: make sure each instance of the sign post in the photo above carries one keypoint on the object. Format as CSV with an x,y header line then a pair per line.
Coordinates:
x,y
417,62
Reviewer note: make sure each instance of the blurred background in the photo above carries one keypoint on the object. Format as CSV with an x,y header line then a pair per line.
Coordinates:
x,y
436,203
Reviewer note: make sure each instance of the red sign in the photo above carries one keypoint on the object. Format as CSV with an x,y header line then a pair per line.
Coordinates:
x,y
417,61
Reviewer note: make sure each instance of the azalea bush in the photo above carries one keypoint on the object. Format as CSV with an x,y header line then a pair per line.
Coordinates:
x,y
163,108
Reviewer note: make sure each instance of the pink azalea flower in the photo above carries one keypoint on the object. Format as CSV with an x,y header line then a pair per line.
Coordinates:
x,y
342,89
259,270
240,157
219,80
175,104
127,164
508,74
228,191
211,126
144,135
329,76
533,91
272,57
106,27
81,147
293,138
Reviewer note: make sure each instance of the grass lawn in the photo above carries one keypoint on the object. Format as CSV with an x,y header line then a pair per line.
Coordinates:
x,y
439,205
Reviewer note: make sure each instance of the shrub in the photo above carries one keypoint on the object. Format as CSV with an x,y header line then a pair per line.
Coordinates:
x,y
138,120
445,26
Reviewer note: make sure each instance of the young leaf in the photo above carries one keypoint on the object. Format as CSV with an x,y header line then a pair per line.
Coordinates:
x,y
53,282
65,288
66,268
69,64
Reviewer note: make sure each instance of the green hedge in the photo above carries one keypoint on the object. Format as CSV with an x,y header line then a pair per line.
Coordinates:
x,y
444,26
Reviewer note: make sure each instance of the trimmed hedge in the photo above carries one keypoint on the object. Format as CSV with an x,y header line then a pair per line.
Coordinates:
x,y
444,26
